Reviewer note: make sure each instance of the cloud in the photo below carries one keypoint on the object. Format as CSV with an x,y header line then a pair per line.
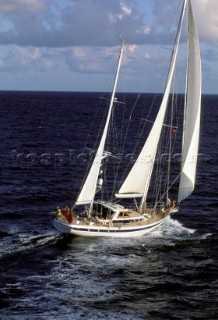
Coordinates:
x,y
205,11
207,20
22,59
65,23
82,36
52,24
90,60
18,6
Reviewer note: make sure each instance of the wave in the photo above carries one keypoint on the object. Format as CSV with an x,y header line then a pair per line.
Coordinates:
x,y
22,242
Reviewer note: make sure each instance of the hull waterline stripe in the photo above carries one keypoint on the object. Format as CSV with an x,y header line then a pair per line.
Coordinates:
x,y
114,231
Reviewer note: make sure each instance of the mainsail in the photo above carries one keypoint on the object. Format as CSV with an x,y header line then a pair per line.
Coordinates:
x,y
87,193
138,180
192,112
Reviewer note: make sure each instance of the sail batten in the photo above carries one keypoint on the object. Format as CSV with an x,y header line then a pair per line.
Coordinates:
x,y
192,113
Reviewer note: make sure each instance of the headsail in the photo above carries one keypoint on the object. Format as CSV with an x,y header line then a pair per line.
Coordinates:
x,y
138,180
192,113
87,193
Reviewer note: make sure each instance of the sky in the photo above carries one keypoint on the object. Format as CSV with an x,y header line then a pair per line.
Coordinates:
x,y
73,45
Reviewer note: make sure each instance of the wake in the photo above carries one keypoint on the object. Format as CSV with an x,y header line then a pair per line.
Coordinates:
x,y
24,242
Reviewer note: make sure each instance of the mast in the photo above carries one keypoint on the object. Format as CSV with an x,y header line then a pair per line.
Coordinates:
x,y
138,181
191,125
87,193
170,149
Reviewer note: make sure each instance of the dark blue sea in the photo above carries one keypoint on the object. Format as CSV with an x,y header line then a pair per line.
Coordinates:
x,y
169,274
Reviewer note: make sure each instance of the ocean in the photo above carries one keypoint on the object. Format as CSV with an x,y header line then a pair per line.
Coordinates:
x,y
168,274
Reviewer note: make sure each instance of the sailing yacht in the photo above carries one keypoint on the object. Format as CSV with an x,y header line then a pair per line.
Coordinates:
x,y
112,219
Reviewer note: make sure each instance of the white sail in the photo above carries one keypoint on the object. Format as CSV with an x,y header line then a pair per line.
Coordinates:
x,y
87,193
138,180
192,113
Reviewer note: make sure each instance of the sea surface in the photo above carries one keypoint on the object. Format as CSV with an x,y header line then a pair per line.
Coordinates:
x,y
169,274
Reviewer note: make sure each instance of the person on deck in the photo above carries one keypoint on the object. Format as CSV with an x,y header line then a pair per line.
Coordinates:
x,y
58,213
67,214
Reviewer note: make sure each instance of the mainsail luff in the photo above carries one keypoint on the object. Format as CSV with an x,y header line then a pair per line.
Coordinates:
x,y
87,194
192,112
138,180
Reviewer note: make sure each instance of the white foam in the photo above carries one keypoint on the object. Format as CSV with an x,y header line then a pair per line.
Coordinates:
x,y
177,227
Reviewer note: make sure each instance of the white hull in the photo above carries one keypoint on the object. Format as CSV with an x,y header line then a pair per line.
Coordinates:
x,y
106,231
